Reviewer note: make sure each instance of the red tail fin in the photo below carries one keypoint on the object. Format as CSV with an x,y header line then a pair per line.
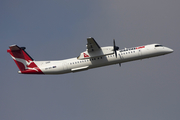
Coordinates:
x,y
24,62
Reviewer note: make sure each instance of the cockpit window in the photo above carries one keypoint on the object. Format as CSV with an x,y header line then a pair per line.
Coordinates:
x,y
158,45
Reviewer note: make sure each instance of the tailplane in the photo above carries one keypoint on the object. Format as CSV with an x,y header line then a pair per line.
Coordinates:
x,y
22,59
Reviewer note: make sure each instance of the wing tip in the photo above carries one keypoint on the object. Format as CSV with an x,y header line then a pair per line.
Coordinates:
x,y
90,38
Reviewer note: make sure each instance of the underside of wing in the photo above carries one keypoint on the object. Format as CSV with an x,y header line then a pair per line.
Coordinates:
x,y
92,45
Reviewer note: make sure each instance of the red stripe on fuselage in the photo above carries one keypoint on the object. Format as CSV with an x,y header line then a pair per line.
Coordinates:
x,y
140,47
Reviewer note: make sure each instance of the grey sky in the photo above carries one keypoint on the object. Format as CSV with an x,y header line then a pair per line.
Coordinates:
x,y
51,30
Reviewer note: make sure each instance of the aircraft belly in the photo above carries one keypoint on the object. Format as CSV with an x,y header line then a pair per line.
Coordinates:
x,y
79,69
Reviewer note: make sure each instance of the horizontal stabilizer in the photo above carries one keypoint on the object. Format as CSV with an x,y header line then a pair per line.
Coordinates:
x,y
14,48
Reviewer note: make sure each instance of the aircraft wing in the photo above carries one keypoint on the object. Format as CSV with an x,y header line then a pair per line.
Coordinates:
x,y
94,50
92,45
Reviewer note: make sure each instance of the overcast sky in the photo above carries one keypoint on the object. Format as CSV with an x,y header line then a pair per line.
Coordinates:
x,y
52,30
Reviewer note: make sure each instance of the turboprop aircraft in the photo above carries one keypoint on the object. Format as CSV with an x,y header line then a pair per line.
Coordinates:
x,y
94,56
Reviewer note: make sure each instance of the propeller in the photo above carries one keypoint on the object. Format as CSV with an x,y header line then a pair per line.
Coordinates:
x,y
115,47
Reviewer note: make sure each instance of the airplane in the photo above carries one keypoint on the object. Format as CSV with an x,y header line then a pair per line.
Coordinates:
x,y
94,56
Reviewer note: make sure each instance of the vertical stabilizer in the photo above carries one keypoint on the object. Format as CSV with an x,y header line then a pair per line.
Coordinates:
x,y
24,62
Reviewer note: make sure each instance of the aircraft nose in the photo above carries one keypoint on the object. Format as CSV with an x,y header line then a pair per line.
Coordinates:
x,y
169,50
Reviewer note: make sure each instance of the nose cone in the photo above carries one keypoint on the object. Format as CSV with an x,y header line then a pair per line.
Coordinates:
x,y
169,50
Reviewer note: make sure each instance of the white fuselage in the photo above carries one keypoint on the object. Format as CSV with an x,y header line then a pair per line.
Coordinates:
x,y
123,55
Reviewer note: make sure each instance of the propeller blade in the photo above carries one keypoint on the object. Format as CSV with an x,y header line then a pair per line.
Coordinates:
x,y
114,44
115,53
115,48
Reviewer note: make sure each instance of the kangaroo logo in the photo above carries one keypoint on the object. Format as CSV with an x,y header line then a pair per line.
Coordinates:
x,y
27,64
85,55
